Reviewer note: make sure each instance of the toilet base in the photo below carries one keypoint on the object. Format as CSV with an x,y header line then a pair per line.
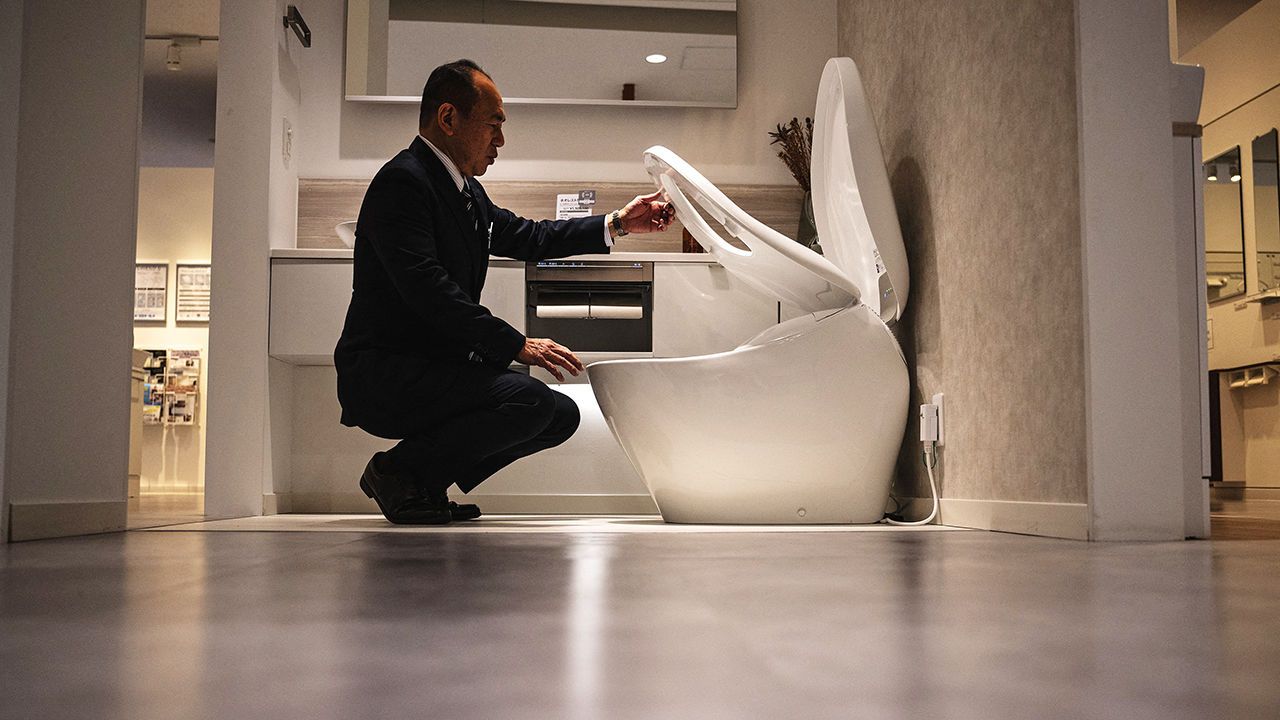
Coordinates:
x,y
800,426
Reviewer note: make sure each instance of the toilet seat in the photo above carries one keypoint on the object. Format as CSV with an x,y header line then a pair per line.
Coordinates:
x,y
864,256
773,263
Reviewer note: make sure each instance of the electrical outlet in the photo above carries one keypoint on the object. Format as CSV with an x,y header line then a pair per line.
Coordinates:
x,y
928,423
937,402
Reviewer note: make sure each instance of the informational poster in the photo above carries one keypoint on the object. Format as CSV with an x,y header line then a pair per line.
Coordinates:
x,y
181,409
575,205
150,291
193,293
153,390
152,403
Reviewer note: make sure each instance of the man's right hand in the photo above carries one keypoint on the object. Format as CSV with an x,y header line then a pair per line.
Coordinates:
x,y
549,355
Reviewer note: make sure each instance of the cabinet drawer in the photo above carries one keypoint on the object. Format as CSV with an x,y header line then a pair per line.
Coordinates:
x,y
309,301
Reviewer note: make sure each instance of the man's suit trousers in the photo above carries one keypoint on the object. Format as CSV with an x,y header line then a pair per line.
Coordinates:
x,y
478,423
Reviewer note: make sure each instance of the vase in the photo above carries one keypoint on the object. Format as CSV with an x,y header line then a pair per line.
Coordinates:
x,y
807,232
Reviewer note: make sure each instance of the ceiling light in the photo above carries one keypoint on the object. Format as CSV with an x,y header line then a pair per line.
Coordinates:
x,y
173,58
656,58
1235,174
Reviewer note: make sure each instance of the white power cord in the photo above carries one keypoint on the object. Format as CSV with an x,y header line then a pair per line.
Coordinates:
x,y
930,457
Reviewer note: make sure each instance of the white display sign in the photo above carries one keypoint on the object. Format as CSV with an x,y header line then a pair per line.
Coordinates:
x,y
193,293
150,291
575,205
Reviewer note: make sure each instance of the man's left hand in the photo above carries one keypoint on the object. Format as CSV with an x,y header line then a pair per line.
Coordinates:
x,y
647,213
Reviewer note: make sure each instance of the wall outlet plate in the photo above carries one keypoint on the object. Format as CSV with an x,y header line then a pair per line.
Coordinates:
x,y
937,400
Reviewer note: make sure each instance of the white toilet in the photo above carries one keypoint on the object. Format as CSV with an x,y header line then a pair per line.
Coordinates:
x,y
802,423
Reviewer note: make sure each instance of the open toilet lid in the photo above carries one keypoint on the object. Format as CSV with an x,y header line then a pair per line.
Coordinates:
x,y
852,202
864,258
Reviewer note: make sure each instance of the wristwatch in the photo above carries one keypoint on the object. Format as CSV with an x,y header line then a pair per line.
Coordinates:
x,y
615,224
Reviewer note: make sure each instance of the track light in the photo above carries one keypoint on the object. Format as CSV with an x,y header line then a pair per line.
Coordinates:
x,y
173,54
1235,174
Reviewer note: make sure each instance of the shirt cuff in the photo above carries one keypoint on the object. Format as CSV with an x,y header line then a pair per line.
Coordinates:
x,y
608,236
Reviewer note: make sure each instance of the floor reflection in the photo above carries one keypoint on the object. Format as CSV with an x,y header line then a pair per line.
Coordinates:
x,y
585,622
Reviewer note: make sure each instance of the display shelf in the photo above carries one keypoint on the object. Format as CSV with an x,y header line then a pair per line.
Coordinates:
x,y
171,392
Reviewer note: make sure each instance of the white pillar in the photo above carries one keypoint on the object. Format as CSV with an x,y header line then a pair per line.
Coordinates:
x,y
1133,337
254,209
75,207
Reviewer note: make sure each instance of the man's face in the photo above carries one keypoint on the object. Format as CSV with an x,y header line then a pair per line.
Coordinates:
x,y
478,135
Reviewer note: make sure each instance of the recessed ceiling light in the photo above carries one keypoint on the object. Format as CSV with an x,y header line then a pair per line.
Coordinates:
x,y
656,58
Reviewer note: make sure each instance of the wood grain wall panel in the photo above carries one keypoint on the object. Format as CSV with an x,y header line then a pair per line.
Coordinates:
x,y
325,203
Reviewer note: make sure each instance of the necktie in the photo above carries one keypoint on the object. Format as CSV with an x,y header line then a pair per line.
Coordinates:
x,y
469,202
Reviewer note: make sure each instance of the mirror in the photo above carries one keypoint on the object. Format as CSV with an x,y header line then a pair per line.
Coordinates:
x,y
580,52
1224,226
1266,210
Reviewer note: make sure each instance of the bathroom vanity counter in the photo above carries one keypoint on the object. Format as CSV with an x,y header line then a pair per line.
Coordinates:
x,y
656,257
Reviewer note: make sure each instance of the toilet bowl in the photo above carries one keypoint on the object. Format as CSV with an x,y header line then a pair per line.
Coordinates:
x,y
802,423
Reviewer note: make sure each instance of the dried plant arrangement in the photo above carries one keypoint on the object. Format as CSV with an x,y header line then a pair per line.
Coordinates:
x,y
797,143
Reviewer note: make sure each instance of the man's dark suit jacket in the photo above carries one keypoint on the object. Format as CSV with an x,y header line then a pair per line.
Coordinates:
x,y
418,272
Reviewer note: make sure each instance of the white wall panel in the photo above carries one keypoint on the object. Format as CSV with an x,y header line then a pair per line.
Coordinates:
x,y
701,308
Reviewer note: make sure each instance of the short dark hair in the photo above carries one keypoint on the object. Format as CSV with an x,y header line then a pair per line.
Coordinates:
x,y
452,83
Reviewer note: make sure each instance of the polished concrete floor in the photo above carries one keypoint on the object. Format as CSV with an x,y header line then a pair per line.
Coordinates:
x,y
581,623
156,509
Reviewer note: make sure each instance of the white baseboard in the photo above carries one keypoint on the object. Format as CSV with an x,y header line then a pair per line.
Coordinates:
x,y
498,504
1240,491
38,521
1059,520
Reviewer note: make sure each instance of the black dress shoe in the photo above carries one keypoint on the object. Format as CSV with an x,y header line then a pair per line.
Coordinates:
x,y
398,500
456,511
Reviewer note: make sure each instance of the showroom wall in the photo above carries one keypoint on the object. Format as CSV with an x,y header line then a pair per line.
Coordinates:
x,y
175,225
1006,129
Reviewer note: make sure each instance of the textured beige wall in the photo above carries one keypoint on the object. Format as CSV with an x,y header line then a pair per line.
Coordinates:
x,y
975,102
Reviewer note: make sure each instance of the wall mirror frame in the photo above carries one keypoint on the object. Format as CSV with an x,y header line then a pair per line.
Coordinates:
x,y
1224,226
666,53
1266,210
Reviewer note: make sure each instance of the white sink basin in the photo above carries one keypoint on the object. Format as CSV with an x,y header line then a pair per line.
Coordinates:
x,y
346,232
